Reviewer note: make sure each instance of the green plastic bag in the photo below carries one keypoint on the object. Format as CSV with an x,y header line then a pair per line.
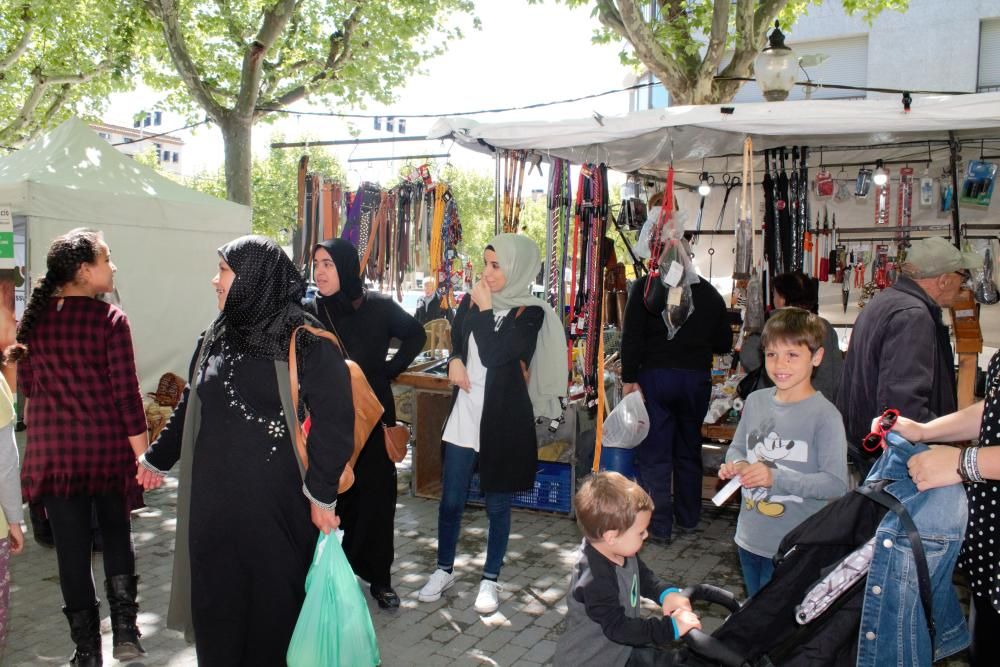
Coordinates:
x,y
334,626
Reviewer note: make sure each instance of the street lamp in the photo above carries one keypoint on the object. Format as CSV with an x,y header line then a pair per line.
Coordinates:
x,y
775,67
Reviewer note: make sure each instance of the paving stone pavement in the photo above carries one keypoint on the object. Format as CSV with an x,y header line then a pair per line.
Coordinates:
x,y
447,632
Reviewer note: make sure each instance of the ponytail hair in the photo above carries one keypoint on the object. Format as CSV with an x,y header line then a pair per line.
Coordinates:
x,y
66,254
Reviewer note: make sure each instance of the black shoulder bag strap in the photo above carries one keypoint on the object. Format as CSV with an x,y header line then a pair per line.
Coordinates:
x,y
879,495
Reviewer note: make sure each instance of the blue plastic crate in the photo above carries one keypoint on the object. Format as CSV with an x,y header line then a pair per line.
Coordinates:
x,y
553,490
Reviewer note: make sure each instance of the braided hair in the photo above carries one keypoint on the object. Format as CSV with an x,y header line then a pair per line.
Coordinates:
x,y
62,263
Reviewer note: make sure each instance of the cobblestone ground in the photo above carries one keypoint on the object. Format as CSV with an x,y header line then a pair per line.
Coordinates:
x,y
447,632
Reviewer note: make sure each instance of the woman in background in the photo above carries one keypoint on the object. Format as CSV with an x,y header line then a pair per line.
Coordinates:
x,y
366,322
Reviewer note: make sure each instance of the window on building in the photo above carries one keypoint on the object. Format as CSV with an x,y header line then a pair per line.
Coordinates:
x,y
166,156
174,157
146,121
377,122
157,118
127,140
401,125
389,122
650,95
137,123
989,56
846,65
159,156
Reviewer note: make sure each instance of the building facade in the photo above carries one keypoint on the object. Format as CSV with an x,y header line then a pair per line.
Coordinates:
x,y
933,46
144,136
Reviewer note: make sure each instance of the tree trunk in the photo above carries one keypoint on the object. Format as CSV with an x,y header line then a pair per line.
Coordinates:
x,y
236,134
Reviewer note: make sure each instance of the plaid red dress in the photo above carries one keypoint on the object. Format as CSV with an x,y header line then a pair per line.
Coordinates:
x,y
84,402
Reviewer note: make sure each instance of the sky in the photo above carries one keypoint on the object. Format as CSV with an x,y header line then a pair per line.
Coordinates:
x,y
524,54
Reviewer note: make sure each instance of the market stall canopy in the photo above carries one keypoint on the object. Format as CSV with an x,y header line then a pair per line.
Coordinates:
x,y
646,141
163,236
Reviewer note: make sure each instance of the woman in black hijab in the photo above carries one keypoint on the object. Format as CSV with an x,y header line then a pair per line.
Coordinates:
x,y
366,322
246,517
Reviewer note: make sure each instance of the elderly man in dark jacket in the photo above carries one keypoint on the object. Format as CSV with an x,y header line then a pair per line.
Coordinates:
x,y
900,353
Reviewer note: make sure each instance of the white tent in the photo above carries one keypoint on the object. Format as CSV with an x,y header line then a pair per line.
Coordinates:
x,y
163,236
710,137
646,141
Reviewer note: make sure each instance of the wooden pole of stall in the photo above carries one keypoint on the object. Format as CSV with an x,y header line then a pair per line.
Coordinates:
x,y
601,398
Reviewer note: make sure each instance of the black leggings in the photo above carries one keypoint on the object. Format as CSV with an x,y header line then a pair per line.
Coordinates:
x,y
70,519
984,624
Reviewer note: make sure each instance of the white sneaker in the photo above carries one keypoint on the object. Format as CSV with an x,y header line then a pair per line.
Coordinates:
x,y
437,584
488,600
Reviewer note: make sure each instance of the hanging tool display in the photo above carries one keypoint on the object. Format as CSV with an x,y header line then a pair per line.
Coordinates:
x,y
904,205
730,183
513,183
557,235
882,203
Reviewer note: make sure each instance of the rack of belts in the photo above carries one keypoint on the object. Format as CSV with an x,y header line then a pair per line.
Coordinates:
x,y
412,226
588,256
560,208
511,163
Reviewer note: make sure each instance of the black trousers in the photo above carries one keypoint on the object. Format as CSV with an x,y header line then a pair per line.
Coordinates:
x,y
984,623
71,528
367,511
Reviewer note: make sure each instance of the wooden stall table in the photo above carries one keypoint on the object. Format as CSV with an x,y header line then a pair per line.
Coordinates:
x,y
433,400
713,454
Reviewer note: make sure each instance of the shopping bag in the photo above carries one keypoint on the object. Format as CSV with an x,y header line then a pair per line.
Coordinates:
x,y
628,423
334,627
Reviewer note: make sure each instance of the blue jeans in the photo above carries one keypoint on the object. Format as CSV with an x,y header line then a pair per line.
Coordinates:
x,y
668,462
457,468
757,571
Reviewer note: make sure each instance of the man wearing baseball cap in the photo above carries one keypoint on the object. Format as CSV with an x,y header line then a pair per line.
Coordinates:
x,y
900,354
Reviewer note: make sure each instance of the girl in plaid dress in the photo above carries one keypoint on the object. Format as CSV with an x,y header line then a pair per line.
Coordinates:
x,y
86,428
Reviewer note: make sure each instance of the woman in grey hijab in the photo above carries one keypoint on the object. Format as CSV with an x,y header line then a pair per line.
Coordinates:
x,y
508,365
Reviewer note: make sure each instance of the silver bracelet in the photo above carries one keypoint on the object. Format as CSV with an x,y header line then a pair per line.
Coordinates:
x,y
329,507
149,466
974,473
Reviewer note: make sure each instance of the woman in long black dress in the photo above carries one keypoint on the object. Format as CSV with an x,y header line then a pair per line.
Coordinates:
x,y
247,521
366,322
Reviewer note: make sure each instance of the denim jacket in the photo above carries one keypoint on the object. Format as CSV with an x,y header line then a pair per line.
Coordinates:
x,y
893,629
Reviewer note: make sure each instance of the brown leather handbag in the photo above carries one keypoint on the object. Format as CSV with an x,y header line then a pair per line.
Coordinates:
x,y
396,439
367,408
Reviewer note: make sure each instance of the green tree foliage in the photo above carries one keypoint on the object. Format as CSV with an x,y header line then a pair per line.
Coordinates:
x,y
275,186
60,58
240,61
684,44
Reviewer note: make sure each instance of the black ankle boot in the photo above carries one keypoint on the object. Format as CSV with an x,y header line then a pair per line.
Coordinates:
x,y
121,590
85,629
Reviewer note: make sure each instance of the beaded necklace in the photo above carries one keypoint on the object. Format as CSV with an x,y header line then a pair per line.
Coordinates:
x,y
275,428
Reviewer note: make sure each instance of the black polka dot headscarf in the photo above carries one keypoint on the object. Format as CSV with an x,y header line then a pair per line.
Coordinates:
x,y
264,303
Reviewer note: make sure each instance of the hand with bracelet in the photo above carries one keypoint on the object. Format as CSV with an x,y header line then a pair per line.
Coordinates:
x,y
943,465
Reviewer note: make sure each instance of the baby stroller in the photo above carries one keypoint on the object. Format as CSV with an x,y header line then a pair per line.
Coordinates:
x,y
819,605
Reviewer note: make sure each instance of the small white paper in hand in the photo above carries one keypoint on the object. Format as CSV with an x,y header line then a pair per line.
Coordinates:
x,y
726,491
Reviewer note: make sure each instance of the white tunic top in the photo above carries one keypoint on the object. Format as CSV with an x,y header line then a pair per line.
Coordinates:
x,y
462,428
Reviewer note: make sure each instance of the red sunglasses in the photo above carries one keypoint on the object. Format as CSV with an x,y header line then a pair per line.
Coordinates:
x,y
876,439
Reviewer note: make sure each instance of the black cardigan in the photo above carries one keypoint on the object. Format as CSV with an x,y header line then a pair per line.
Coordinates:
x,y
508,449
